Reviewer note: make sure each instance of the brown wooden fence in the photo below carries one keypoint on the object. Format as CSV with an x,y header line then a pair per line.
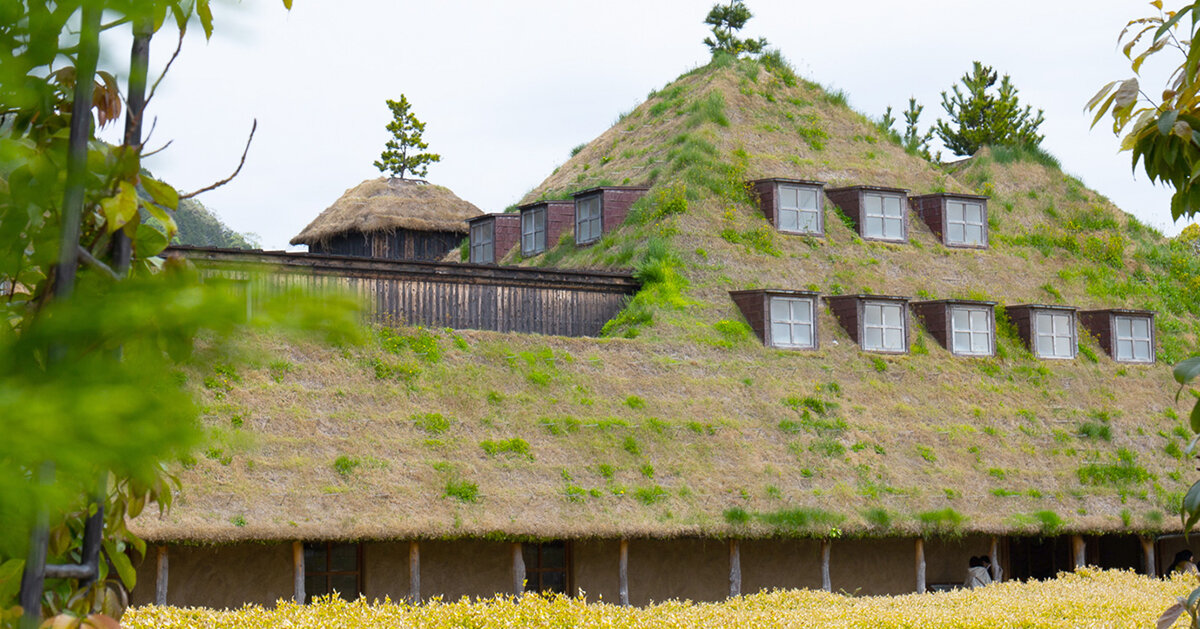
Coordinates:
x,y
436,294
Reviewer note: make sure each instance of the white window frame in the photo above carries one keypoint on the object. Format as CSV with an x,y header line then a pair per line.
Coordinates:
x,y
531,233
868,306
964,223
593,220
1132,339
483,250
808,304
813,214
974,336
882,216
1055,334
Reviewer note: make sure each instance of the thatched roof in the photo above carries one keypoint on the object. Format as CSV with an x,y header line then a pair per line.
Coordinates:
x,y
385,204
692,427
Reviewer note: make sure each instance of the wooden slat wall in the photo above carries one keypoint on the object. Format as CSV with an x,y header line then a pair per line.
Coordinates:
x,y
504,299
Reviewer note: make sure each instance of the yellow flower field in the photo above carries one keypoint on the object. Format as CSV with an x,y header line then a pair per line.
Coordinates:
x,y
1088,598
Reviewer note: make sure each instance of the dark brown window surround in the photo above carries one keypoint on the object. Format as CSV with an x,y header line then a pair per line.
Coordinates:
x,y
850,200
506,232
560,217
932,210
755,305
848,310
1102,324
767,191
936,314
541,573
614,206
1024,316
322,578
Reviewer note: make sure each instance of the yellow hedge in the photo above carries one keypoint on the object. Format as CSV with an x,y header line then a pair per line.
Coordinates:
x,y
1088,598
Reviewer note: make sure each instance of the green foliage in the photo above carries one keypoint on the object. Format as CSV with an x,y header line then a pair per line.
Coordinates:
x,y
1096,429
199,227
461,490
979,118
879,364
1007,154
432,423
1123,472
403,152
345,465
760,239
630,445
650,495
515,445
660,203
662,288
805,519
777,65
635,402
736,515
941,521
926,453
726,21
279,369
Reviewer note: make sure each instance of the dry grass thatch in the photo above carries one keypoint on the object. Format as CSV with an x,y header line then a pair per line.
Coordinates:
x,y
385,204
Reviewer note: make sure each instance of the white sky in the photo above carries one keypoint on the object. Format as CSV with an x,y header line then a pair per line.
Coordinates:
x,y
508,88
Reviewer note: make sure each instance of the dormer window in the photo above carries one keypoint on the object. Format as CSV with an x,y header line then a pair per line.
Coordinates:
x,y
793,206
533,231
793,322
786,319
1126,335
1134,342
960,220
879,323
877,213
588,219
883,327
884,216
965,327
483,234
1054,335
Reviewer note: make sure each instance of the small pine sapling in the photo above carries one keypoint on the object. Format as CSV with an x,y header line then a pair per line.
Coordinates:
x,y
403,153
726,20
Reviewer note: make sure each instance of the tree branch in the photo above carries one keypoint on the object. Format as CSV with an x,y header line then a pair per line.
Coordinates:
x,y
93,262
157,150
235,173
154,88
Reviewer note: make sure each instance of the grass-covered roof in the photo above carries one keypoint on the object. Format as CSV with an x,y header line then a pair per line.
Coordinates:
x,y
388,204
682,423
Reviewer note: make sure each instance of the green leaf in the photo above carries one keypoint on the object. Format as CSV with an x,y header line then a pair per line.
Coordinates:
x,y
121,208
206,20
121,562
162,193
1187,370
1166,122
10,578
151,239
287,4
1196,417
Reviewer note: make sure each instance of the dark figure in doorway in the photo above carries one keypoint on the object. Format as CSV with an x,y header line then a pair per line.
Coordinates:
x,y
977,574
1184,562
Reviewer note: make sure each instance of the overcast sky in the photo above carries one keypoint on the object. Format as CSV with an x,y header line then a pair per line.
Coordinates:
x,y
507,88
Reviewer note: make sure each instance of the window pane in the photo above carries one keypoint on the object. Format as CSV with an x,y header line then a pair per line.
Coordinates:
x,y
973,213
962,341
1062,347
789,220
788,197
1045,324
780,310
1045,345
1062,324
1141,350
874,227
346,585
872,314
314,586
894,227
891,206
893,339
344,557
891,315
554,556
981,343
973,235
529,552
809,222
808,199
801,310
873,338
554,582
539,241
1124,349
1141,328
1124,327
781,333
954,211
955,232
961,318
873,204
979,321
802,335
314,556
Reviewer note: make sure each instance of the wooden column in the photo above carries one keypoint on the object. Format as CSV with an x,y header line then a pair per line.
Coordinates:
x,y
298,571
1078,551
1148,556
826,584
735,568
160,585
414,572
518,569
920,566
623,573
994,554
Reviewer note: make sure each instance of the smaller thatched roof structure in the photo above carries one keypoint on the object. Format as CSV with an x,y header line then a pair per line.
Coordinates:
x,y
386,204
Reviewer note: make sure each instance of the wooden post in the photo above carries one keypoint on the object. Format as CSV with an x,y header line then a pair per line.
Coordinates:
x,y
414,572
1148,556
826,584
920,566
518,569
735,569
623,573
298,571
1078,551
160,585
994,554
